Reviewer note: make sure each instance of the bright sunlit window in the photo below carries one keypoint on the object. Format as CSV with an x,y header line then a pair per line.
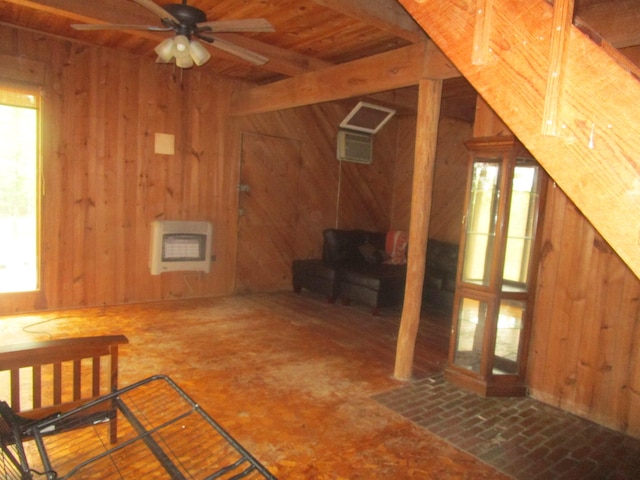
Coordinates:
x,y
19,117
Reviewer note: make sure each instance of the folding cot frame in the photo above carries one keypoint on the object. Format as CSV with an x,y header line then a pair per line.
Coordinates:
x,y
163,433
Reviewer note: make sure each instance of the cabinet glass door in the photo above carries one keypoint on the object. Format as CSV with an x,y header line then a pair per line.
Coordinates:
x,y
481,222
523,216
472,318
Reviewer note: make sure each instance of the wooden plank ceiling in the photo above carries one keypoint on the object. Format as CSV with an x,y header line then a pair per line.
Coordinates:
x,y
309,35
316,39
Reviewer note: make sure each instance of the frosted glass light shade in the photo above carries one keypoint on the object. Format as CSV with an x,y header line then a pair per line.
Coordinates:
x,y
165,50
185,53
199,53
180,45
184,60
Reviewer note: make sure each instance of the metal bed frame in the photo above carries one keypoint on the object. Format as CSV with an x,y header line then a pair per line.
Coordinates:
x,y
162,433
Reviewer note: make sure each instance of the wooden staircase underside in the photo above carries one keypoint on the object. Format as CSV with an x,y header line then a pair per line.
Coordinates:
x,y
510,51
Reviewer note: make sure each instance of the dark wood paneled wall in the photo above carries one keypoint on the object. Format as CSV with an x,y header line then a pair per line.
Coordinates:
x,y
585,351
586,328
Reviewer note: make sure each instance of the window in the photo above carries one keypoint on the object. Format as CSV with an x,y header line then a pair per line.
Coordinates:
x,y
19,192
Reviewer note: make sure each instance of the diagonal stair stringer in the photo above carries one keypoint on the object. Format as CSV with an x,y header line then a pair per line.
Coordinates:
x,y
595,157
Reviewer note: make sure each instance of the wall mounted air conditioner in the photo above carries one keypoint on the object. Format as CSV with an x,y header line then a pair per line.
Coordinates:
x,y
355,147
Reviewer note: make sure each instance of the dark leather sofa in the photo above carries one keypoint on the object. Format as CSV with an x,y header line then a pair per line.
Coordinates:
x,y
352,268
440,275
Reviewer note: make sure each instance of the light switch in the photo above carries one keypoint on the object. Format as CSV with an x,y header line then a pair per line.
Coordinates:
x,y
165,144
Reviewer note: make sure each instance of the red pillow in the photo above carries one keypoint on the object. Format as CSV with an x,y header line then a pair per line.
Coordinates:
x,y
396,247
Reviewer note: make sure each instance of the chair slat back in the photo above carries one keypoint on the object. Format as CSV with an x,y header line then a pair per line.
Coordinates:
x,y
56,365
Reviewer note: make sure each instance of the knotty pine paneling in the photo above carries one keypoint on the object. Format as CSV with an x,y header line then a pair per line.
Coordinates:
x,y
103,183
447,203
450,179
372,197
586,332
329,194
403,176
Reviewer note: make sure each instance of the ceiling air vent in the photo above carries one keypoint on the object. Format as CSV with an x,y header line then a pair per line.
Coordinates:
x,y
368,118
355,147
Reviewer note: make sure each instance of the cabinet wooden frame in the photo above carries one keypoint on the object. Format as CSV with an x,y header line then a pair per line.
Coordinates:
x,y
483,379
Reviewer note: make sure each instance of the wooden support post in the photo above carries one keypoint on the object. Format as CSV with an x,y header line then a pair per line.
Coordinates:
x,y
562,21
430,95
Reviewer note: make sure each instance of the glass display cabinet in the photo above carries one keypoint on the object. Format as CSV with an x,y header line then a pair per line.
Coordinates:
x,y
497,268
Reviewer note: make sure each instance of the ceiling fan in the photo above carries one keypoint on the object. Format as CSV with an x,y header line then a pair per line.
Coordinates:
x,y
187,22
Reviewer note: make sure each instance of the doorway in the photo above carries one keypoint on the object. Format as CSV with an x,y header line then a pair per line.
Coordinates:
x,y
268,213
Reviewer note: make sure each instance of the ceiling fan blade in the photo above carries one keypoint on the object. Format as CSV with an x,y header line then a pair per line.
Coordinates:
x,y
245,25
238,51
117,26
157,9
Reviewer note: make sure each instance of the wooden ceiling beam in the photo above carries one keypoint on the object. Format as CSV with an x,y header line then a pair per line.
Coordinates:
x,y
387,15
386,71
82,11
403,100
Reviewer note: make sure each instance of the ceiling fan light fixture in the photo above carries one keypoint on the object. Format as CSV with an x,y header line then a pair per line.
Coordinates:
x,y
199,53
165,50
184,60
180,45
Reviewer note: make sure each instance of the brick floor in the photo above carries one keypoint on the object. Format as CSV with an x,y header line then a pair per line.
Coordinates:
x,y
521,437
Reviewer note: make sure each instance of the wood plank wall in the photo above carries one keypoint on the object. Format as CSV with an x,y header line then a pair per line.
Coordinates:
x,y
103,183
330,194
450,177
586,329
585,350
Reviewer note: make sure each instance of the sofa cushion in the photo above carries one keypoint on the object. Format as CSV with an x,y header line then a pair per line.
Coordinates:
x,y
341,246
313,268
442,256
375,276
371,254
433,282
